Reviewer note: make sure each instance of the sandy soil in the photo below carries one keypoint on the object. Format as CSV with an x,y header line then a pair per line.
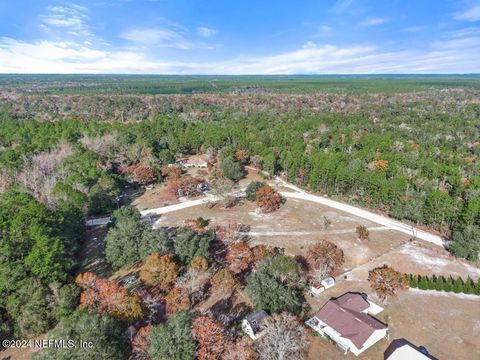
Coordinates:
x,y
157,197
296,226
422,258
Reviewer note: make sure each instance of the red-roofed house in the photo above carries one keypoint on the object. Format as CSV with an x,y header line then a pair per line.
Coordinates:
x,y
348,322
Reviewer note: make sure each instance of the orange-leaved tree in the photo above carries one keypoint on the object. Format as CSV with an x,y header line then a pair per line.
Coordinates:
x,y
224,282
140,342
107,297
186,186
210,337
387,282
170,172
362,232
268,199
242,156
144,175
159,270
239,257
199,264
177,300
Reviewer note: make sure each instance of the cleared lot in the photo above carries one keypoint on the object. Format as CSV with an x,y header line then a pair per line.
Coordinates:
x,y
297,225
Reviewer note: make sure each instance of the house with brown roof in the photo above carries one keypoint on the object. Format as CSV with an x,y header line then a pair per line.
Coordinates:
x,y
348,321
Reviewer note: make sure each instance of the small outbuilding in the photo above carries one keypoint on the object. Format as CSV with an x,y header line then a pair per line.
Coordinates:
x,y
253,324
318,288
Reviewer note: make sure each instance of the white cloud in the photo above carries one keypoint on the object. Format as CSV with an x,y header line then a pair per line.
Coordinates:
x,y
465,32
452,53
471,14
342,5
71,18
71,57
161,37
373,22
206,31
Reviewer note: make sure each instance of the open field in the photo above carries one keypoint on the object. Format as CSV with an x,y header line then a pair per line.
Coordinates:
x,y
299,224
420,258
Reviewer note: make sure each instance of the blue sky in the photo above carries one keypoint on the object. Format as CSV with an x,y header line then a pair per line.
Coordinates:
x,y
240,37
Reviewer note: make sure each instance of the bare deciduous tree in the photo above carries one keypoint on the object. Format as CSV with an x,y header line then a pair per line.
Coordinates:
x,y
41,172
241,349
102,145
284,338
189,282
223,188
320,273
232,232
5,181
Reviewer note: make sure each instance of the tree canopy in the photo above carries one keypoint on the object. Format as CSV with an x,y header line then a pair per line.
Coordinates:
x,y
131,239
232,169
107,338
252,189
277,285
172,340
189,244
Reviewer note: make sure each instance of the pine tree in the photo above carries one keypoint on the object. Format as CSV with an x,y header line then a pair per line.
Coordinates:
x,y
431,282
413,280
458,285
468,286
448,286
440,284
422,284
477,288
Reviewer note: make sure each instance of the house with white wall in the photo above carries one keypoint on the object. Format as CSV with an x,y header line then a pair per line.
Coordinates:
x,y
348,321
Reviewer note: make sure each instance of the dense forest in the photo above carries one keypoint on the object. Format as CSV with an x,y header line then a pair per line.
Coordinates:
x,y
64,151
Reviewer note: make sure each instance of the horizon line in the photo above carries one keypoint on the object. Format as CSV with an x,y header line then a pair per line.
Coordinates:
x,y
253,74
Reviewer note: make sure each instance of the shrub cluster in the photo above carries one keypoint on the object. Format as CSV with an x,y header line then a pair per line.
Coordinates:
x,y
440,283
